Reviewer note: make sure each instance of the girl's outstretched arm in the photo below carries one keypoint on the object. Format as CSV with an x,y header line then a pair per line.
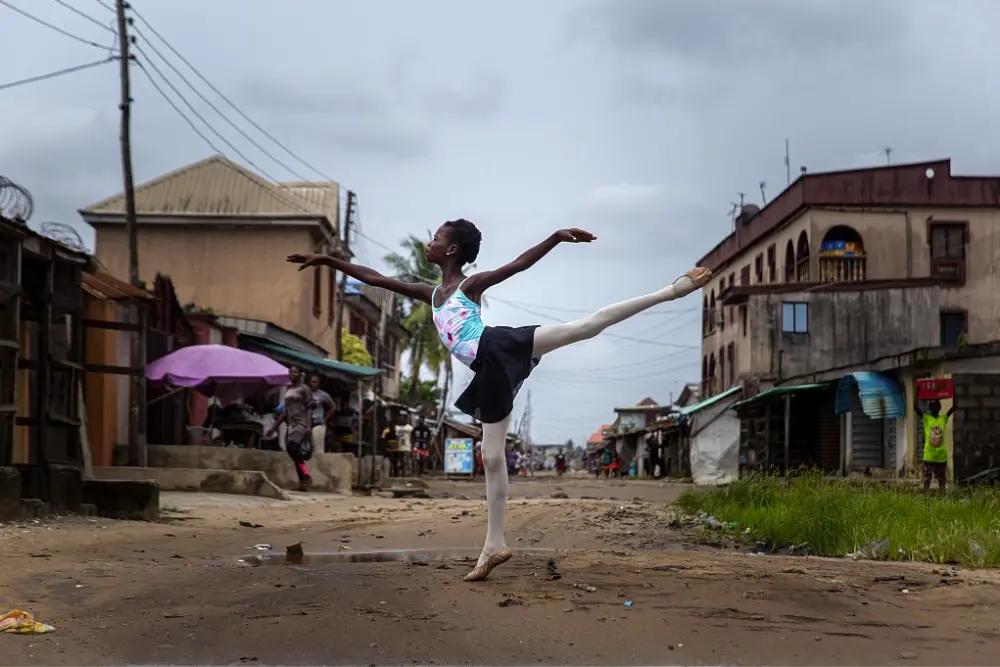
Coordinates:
x,y
480,282
417,291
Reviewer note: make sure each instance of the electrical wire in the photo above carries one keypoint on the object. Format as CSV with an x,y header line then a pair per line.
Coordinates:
x,y
39,21
216,109
85,15
198,115
228,101
180,112
57,73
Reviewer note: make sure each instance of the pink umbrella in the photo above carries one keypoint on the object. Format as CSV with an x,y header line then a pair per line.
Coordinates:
x,y
206,367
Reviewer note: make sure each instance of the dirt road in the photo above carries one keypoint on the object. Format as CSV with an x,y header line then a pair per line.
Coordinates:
x,y
173,592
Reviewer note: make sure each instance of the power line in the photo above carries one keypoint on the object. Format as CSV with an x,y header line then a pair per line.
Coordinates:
x,y
107,6
176,108
52,75
55,27
198,115
216,109
228,101
85,15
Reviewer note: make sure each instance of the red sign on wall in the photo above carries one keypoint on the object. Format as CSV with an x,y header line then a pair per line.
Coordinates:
x,y
933,390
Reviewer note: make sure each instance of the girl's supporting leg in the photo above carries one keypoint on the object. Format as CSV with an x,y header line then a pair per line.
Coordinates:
x,y
494,451
553,336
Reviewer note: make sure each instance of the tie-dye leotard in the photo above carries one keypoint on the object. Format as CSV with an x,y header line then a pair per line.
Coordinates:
x,y
460,324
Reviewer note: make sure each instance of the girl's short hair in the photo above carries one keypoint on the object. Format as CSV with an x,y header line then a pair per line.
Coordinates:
x,y
467,237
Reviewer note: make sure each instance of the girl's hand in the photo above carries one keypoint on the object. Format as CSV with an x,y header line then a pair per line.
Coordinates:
x,y
574,235
306,260
699,276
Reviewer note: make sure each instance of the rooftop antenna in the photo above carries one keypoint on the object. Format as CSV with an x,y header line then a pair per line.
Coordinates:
x,y
763,195
888,154
788,163
733,211
742,197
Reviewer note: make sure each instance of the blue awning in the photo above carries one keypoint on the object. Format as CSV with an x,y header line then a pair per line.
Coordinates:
x,y
881,396
317,363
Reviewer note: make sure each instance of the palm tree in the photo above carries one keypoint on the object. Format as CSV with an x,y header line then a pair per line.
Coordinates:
x,y
426,348
412,266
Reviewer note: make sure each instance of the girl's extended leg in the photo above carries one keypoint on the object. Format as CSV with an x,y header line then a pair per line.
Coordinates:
x,y
494,451
553,336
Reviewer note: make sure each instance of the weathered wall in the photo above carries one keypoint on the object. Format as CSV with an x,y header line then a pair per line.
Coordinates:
x,y
976,423
237,271
844,328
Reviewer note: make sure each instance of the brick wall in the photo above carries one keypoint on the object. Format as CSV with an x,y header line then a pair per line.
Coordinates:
x,y
976,425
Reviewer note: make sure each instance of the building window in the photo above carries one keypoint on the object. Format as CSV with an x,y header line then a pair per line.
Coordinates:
x,y
731,354
743,319
794,317
948,241
317,293
953,326
704,317
332,296
758,266
802,259
772,263
711,312
790,262
722,368
745,275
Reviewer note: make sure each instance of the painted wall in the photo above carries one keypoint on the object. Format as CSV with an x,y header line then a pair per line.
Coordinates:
x,y
235,271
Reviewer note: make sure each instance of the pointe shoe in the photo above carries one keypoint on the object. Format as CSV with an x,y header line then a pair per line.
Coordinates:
x,y
480,572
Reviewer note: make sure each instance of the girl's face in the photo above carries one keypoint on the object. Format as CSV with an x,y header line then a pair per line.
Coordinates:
x,y
440,246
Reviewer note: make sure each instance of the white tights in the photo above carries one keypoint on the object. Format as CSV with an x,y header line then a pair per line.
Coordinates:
x,y
547,339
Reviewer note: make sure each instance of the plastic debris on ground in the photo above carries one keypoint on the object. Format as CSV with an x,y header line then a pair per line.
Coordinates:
x,y
23,623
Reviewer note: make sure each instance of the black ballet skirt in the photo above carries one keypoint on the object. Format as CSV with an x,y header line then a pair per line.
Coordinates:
x,y
503,362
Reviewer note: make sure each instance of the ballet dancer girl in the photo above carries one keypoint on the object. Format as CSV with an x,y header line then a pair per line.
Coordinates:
x,y
501,357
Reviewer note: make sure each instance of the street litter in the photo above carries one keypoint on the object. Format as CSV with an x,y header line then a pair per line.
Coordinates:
x,y
553,572
247,524
262,547
23,623
628,603
585,587
509,602
294,554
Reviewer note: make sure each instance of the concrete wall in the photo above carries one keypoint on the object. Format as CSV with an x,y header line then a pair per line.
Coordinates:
x,y
975,423
202,264
330,472
844,328
896,246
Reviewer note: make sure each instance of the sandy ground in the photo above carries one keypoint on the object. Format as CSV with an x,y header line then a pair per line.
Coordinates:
x,y
175,592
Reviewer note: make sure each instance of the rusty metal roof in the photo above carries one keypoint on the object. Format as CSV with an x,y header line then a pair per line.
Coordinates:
x,y
217,186
104,286
323,197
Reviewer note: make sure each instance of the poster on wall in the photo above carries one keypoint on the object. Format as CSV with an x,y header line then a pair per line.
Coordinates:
x,y
935,389
459,456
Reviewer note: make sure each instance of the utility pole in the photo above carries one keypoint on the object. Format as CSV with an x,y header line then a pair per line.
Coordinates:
x,y
338,319
137,452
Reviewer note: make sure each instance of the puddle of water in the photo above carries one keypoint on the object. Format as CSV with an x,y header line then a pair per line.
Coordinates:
x,y
378,556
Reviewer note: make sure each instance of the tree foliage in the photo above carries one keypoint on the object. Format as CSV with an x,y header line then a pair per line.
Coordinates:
x,y
354,349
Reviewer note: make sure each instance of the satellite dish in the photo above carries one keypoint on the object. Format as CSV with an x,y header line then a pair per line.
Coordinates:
x,y
63,233
15,201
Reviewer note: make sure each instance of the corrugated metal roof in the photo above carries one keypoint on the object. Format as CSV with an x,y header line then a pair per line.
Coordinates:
x,y
881,396
319,362
323,197
691,409
382,298
104,286
777,391
215,186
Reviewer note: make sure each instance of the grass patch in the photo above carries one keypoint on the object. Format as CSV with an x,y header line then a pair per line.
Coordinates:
x,y
840,517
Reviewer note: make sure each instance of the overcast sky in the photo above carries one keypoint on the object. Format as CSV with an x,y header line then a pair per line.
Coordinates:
x,y
639,120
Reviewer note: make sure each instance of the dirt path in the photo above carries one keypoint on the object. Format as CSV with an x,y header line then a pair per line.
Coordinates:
x,y
173,592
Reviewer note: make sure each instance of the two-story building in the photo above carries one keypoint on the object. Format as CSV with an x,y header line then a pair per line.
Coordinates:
x,y
917,244
222,233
